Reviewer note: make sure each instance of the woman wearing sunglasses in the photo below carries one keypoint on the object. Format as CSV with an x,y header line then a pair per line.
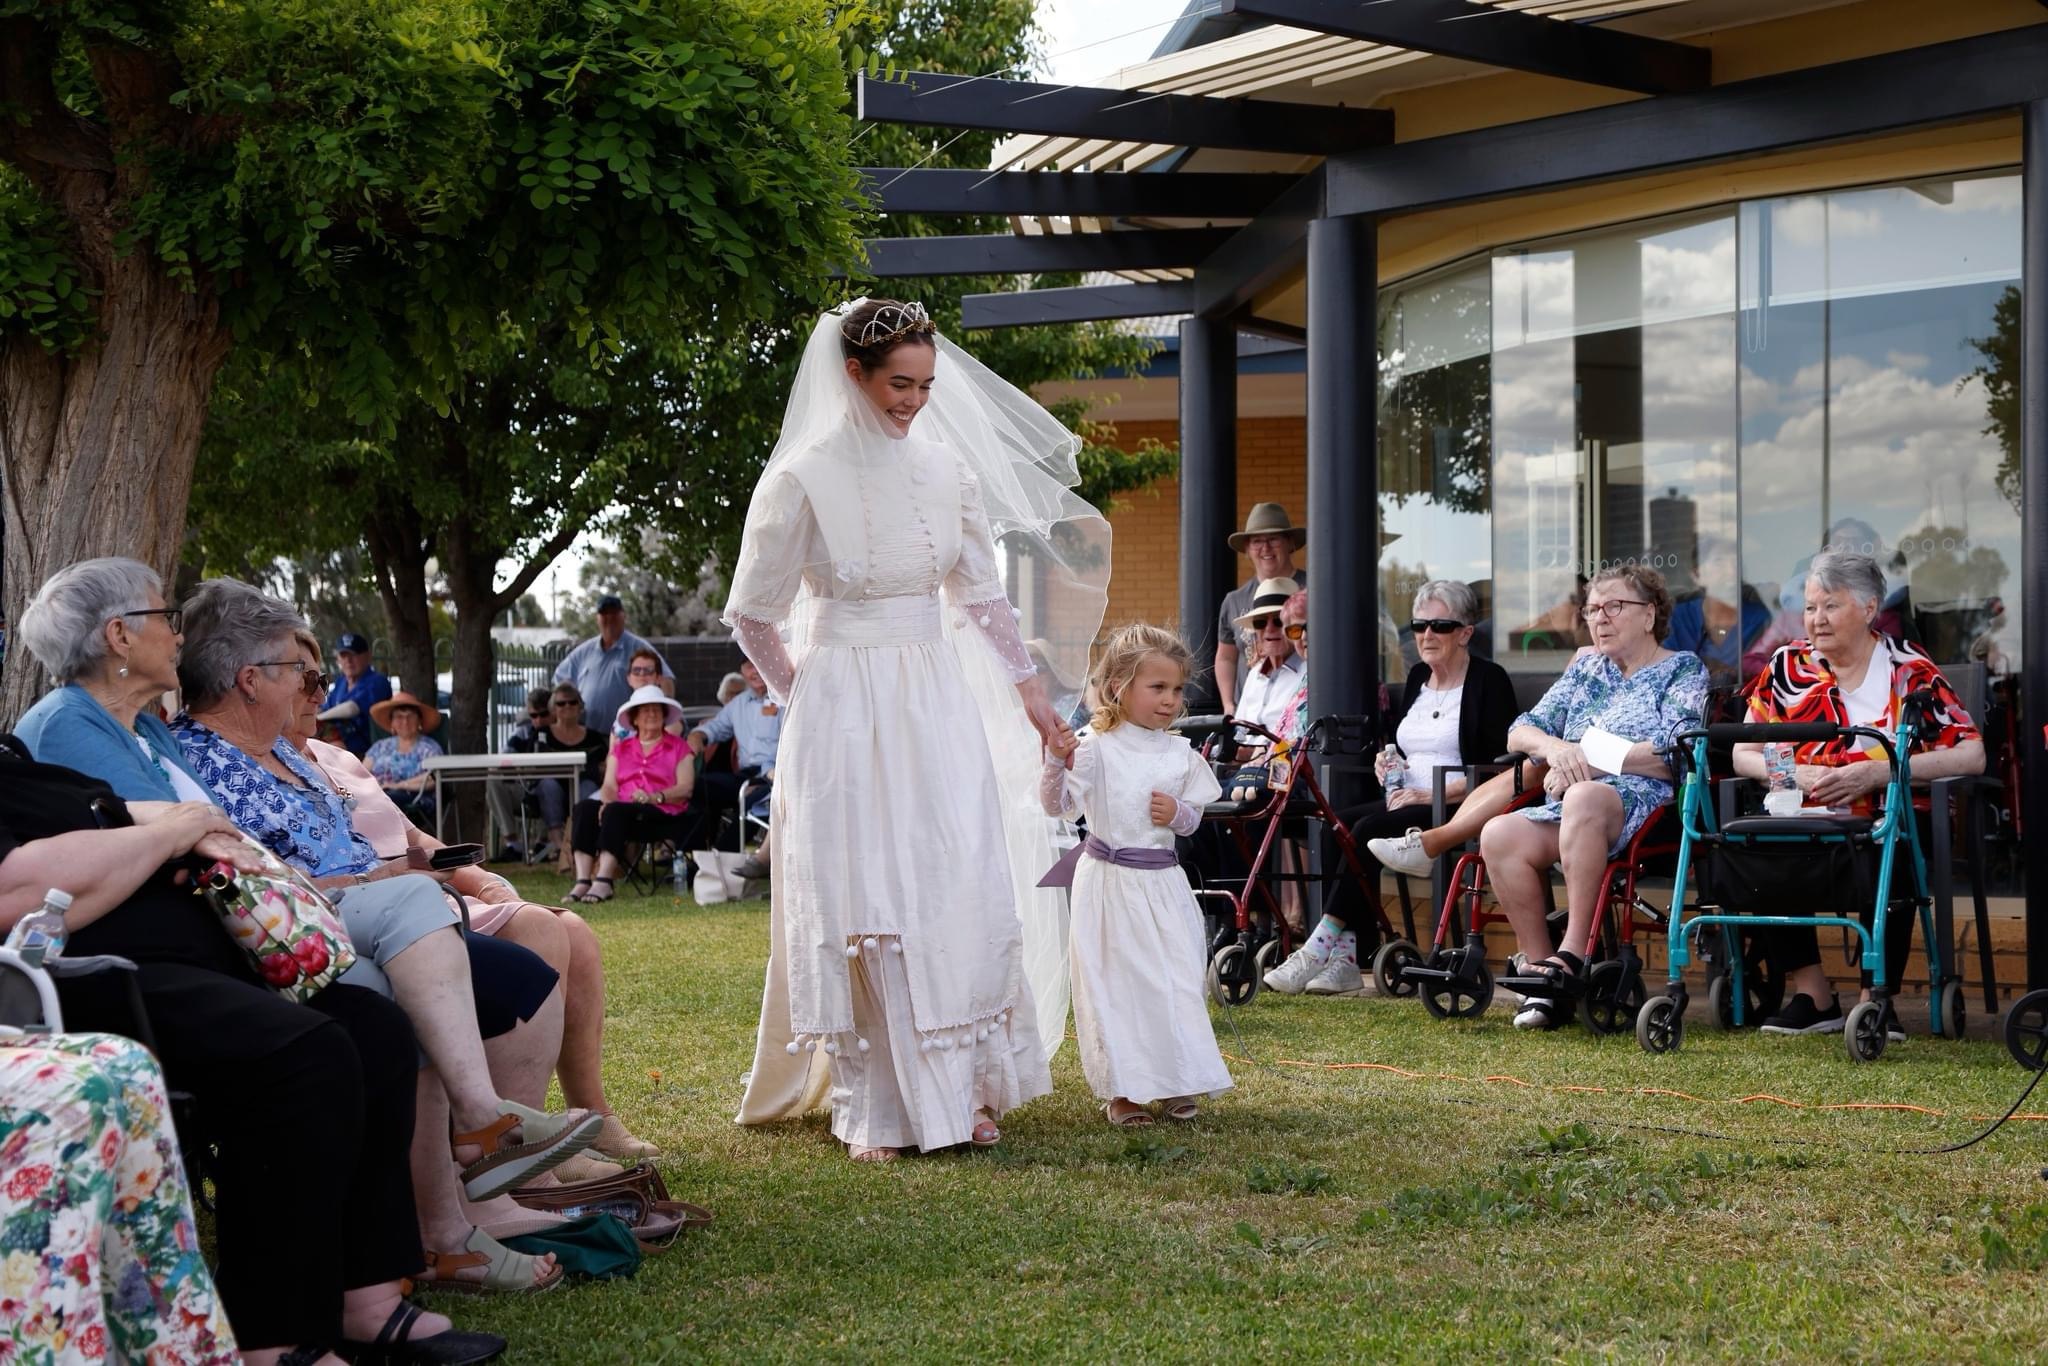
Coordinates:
x,y
1454,710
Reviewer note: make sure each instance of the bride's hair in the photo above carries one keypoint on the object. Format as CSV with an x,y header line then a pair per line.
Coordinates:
x,y
873,328
1127,648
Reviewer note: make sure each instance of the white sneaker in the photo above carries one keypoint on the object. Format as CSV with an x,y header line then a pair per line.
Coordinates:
x,y
1294,975
1339,977
1403,855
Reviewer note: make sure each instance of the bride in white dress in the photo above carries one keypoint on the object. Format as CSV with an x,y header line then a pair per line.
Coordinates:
x,y
869,593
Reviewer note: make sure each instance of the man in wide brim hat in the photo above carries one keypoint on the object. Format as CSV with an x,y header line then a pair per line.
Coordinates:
x,y
429,714
1270,538
1268,519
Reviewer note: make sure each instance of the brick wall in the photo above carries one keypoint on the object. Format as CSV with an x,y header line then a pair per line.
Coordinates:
x,y
1272,466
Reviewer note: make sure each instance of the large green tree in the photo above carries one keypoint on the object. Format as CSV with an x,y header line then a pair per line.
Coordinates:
x,y
364,200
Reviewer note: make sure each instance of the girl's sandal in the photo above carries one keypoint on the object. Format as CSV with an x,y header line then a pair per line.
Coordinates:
x,y
872,1154
1182,1108
1137,1117
591,898
580,889
985,1134
505,1270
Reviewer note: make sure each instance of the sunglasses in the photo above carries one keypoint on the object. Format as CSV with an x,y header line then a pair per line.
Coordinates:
x,y
536,716
1295,630
566,702
1259,624
1442,626
174,617
642,671
316,684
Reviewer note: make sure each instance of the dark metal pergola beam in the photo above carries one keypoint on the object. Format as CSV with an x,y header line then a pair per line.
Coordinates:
x,y
1044,254
1083,304
1260,254
937,99
1074,194
1501,37
1942,83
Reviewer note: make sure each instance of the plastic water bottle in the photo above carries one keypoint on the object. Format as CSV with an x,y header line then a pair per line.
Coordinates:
x,y
1781,783
39,936
679,871
1397,770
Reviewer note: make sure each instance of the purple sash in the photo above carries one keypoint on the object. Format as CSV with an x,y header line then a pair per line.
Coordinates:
x,y
1061,874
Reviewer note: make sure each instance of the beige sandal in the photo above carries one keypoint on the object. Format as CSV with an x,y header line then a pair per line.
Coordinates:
x,y
547,1141
873,1154
508,1271
1137,1117
616,1140
1182,1108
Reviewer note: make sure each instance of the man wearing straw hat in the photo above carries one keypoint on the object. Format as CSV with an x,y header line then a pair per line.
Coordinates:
x,y
1271,540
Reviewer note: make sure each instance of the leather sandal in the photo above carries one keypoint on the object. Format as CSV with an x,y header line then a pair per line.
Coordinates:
x,y
505,1270
1182,1108
614,1140
395,1345
546,1141
1137,1117
873,1154
579,889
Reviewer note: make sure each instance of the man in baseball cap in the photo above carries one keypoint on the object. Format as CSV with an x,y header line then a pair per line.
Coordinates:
x,y
357,688
598,666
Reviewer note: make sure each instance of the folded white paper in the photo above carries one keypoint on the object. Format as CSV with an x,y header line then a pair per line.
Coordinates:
x,y
1604,750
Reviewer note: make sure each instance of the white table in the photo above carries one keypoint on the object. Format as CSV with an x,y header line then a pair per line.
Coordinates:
x,y
481,768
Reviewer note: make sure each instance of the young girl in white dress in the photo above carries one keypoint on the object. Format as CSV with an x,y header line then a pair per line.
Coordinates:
x,y
1136,950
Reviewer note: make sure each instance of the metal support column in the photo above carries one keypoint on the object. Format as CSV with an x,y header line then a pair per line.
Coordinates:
x,y
2033,741
1208,481
1343,469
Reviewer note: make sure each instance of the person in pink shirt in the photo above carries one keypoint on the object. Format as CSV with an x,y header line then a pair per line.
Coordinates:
x,y
645,795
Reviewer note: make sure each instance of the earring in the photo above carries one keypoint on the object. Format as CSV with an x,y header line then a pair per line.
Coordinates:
x,y
121,672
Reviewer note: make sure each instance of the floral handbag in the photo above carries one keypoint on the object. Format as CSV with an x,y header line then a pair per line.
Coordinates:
x,y
292,932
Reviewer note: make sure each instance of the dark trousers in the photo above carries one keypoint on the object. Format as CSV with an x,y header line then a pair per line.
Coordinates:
x,y
615,825
1342,899
717,796
1797,946
311,1109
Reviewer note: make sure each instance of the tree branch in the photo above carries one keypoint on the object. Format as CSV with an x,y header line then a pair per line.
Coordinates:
x,y
53,141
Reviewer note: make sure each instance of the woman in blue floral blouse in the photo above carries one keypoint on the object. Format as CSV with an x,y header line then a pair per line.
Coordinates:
x,y
1600,732
400,759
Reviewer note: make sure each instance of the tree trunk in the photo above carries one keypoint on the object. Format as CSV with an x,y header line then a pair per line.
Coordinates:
x,y
99,447
398,556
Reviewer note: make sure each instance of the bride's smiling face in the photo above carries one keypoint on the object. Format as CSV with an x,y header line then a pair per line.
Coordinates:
x,y
900,385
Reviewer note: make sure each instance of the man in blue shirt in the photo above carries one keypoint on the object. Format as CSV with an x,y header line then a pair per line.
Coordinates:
x,y
358,689
598,666
753,724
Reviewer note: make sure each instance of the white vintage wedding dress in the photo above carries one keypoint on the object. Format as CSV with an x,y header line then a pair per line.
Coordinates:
x,y
896,944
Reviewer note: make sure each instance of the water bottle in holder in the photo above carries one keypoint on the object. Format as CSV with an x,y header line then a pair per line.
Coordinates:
x,y
40,935
1781,782
1397,770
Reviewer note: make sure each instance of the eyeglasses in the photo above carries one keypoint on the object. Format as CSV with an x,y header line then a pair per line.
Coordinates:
x,y
297,666
1442,626
642,671
565,702
1610,609
174,617
316,685
1295,630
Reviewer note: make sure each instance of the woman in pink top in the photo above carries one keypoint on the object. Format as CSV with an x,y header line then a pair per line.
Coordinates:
x,y
645,795
563,939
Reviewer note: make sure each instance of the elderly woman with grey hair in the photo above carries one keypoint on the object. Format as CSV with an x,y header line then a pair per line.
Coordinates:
x,y
1845,671
1454,711
110,641
243,674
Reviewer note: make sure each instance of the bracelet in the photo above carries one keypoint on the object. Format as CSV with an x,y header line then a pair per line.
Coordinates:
x,y
362,879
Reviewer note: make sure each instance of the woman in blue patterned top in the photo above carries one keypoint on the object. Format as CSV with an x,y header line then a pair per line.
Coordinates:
x,y
400,759
1600,733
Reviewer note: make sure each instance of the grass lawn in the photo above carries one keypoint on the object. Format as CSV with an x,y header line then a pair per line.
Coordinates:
x,y
1320,1213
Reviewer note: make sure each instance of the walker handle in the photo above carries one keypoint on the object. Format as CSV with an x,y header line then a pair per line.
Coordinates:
x,y
1784,732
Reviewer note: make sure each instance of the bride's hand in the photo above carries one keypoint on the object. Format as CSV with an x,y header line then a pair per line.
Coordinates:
x,y
1044,719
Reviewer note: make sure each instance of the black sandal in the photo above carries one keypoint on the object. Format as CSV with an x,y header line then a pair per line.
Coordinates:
x,y
591,898
395,1346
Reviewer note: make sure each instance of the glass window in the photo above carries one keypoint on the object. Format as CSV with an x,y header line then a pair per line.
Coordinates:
x,y
1879,362
1435,472
1614,436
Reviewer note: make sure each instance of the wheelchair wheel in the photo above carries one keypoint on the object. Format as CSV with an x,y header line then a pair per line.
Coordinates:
x,y
1457,998
1394,955
1266,959
2026,1031
1863,1032
1952,1017
1660,1025
1613,996
1229,980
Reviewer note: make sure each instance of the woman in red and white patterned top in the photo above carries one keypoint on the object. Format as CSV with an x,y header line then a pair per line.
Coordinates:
x,y
1847,672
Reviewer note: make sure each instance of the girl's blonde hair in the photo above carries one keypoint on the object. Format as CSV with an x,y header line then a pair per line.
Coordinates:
x,y
1127,648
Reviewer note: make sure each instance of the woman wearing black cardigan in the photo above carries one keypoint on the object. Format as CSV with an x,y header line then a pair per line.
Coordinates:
x,y
1455,710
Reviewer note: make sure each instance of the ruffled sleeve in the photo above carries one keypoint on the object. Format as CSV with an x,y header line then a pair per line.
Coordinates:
x,y
974,586
1064,791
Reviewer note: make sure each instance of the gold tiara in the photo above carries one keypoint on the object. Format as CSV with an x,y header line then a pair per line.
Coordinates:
x,y
891,322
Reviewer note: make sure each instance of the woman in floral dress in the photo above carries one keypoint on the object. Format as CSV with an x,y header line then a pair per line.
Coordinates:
x,y
99,1258
1600,732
